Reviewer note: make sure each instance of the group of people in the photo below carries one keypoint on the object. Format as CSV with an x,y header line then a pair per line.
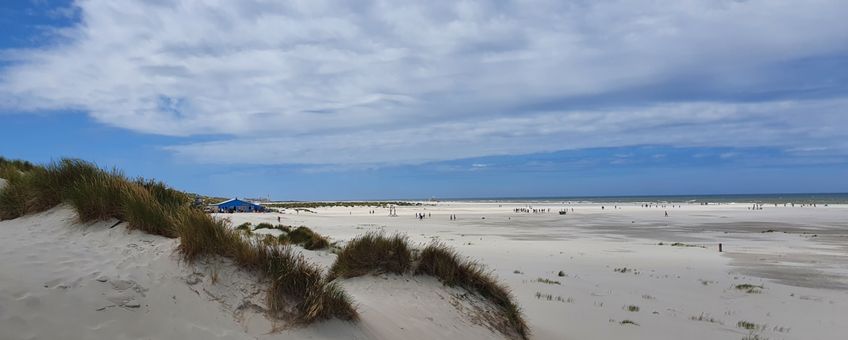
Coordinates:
x,y
452,217
421,216
531,210
657,205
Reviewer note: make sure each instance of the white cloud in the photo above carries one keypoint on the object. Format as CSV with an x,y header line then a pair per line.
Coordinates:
x,y
339,82
678,125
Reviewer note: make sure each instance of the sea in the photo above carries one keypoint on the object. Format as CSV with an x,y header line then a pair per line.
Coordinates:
x,y
796,198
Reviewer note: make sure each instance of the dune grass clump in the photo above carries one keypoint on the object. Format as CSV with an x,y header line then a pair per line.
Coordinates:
x,y
98,196
14,196
150,206
201,235
164,195
749,325
749,288
142,211
444,263
548,281
49,185
32,189
16,164
295,279
264,225
307,238
372,252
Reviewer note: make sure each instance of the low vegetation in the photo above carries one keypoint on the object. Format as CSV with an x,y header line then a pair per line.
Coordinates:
x,y
749,288
306,238
681,244
373,252
298,290
705,318
547,281
749,326
551,297
152,207
264,225
445,264
631,308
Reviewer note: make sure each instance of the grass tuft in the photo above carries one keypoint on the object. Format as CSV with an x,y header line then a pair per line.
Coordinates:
x,y
143,212
264,225
308,238
444,263
749,288
98,196
293,279
155,208
372,252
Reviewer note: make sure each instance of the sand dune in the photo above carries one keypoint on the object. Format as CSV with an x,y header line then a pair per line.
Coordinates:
x,y
70,281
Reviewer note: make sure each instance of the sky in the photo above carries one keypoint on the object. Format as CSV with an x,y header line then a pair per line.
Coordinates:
x,y
326,99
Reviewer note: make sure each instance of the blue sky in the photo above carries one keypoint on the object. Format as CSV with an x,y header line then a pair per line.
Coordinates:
x,y
409,99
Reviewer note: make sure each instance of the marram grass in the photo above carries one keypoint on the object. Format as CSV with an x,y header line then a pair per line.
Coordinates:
x,y
152,207
445,264
372,252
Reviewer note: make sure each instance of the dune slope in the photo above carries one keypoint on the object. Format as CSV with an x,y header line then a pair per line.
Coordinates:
x,y
60,279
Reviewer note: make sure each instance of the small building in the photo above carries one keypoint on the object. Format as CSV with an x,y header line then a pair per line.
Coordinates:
x,y
237,205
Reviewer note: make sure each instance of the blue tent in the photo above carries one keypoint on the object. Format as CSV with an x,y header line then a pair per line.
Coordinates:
x,y
237,205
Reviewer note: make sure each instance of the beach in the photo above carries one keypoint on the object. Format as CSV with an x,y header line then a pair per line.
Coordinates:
x,y
621,271
611,259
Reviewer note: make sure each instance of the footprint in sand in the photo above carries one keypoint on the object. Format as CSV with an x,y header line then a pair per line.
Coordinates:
x,y
122,284
127,293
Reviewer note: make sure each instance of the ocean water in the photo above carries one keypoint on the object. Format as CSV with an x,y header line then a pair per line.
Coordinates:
x,y
831,198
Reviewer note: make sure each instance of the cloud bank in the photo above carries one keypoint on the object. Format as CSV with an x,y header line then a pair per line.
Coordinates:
x,y
405,82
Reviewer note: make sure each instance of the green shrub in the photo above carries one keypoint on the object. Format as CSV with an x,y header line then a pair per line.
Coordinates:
x,y
372,252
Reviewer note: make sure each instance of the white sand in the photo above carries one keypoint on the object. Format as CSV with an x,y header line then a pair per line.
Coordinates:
x,y
805,278
62,280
